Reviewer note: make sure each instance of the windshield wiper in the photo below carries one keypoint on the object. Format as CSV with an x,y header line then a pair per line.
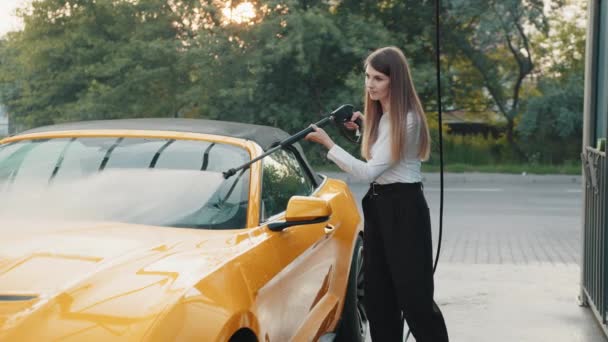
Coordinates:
x,y
27,148
206,157
60,160
159,152
221,202
108,153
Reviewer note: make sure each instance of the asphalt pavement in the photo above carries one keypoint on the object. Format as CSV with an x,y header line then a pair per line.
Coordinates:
x,y
508,268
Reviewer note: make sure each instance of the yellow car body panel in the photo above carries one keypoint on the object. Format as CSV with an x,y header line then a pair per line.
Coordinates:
x,y
100,281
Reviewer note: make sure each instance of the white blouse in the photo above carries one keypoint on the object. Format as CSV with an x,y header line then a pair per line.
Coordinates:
x,y
379,167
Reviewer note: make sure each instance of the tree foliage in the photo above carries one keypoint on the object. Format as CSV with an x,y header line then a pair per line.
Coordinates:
x,y
551,124
493,36
287,65
94,60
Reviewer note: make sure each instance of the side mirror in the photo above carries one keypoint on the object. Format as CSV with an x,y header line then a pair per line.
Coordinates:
x,y
303,210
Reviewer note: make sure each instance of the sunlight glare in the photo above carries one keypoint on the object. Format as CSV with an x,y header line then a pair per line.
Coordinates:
x,y
242,13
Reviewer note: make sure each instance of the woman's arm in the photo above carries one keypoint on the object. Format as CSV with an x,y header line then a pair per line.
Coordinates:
x,y
358,169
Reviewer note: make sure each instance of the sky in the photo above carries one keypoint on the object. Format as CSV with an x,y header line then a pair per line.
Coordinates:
x,y
8,19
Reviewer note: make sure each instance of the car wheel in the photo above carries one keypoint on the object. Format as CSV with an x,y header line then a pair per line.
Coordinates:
x,y
353,323
243,335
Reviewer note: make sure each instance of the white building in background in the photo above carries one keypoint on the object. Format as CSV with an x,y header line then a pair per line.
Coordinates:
x,y
3,122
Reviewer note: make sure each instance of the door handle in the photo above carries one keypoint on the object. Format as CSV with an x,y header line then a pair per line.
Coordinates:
x,y
329,228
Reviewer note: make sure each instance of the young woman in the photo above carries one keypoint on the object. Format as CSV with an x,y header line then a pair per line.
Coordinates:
x,y
397,242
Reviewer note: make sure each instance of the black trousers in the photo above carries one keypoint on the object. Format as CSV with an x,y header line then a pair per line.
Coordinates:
x,y
398,254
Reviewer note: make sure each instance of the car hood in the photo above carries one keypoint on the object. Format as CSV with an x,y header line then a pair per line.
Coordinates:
x,y
77,279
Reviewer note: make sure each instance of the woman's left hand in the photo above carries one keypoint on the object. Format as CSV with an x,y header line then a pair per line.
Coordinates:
x,y
320,136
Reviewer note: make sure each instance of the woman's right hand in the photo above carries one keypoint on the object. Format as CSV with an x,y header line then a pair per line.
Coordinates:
x,y
318,135
351,125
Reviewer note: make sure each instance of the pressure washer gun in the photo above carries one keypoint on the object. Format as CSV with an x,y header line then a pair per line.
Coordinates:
x,y
339,116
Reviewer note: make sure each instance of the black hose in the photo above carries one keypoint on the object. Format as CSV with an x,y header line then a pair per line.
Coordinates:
x,y
438,75
440,115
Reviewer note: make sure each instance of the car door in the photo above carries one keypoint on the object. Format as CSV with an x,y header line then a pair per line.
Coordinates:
x,y
306,253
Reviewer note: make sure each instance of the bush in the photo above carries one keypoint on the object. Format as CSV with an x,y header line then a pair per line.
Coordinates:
x,y
472,150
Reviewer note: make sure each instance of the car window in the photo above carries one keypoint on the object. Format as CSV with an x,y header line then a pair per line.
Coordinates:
x,y
35,165
283,177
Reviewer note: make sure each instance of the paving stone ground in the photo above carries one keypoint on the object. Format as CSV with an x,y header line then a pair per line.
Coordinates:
x,y
508,268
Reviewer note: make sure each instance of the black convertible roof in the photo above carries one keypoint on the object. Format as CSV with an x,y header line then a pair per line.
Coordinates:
x,y
263,135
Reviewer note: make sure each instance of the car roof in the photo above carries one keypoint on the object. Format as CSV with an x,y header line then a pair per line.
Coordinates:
x,y
264,136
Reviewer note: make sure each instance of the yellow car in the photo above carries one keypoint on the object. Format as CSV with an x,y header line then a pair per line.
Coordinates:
x,y
128,230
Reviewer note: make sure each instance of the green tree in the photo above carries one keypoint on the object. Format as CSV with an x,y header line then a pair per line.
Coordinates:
x,y
290,63
411,26
494,38
297,63
93,60
551,124
116,58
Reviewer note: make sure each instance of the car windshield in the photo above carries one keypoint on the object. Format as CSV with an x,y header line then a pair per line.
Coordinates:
x,y
164,182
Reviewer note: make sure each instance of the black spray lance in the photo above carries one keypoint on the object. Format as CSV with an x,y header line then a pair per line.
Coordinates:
x,y
339,116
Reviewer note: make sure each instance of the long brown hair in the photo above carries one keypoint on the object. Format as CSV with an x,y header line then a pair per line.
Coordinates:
x,y
403,101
